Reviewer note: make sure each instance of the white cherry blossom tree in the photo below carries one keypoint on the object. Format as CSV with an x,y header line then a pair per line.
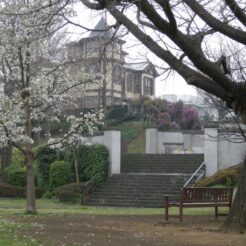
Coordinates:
x,y
38,79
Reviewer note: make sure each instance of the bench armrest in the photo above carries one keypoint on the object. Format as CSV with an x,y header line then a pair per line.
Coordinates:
x,y
167,196
171,195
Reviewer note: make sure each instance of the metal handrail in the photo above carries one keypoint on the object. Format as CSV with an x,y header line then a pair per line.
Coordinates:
x,y
90,180
88,187
203,165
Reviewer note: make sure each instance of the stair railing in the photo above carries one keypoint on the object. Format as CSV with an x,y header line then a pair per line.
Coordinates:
x,y
197,175
88,188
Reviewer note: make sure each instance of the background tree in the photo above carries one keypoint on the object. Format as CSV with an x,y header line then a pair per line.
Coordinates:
x,y
175,32
171,116
215,102
37,80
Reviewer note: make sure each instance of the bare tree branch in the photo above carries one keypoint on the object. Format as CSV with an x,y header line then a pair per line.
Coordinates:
x,y
233,33
238,12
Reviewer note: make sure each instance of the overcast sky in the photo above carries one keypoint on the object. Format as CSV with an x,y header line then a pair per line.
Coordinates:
x,y
174,84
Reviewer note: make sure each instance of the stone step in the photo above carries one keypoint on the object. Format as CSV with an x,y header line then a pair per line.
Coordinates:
x,y
153,197
151,163
127,203
144,179
129,190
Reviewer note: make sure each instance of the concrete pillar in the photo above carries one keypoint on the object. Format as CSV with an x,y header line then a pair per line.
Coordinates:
x,y
211,150
151,141
112,142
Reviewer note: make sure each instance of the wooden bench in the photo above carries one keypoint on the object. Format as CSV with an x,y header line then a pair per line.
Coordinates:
x,y
200,197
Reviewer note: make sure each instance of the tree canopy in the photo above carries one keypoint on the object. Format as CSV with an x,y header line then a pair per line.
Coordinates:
x,y
181,33
37,77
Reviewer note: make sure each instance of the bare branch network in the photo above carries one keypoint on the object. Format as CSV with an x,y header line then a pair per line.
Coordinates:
x,y
189,26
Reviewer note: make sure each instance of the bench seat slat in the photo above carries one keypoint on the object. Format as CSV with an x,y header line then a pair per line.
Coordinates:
x,y
199,204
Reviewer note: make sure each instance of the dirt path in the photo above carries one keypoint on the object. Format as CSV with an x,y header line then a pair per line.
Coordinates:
x,y
129,231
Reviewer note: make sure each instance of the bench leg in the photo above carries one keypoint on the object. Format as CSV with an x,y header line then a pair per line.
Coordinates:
x,y
216,212
166,212
181,213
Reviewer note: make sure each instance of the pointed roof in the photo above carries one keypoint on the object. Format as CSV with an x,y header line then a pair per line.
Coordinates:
x,y
144,66
137,66
101,25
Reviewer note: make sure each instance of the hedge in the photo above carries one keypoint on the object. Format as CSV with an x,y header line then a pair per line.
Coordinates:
x,y
60,174
56,127
7,190
18,159
93,160
16,176
69,192
118,112
45,156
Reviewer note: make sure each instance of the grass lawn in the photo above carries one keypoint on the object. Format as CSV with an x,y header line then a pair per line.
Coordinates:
x,y
137,145
8,233
49,207
13,208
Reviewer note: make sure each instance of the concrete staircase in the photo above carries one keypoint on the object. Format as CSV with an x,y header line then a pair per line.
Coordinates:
x,y
144,179
168,163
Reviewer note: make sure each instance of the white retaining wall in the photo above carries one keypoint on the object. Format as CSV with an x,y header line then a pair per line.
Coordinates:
x,y
218,154
230,152
168,137
111,139
193,141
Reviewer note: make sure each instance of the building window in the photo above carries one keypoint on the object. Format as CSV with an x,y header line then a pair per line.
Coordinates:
x,y
133,83
148,86
136,83
130,82
117,75
117,100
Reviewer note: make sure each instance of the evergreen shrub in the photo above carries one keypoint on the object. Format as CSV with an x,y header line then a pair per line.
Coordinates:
x,y
18,159
69,192
7,190
16,176
45,156
93,160
60,174
118,112
56,127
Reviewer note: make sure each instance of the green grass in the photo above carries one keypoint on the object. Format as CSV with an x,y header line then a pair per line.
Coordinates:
x,y
50,207
9,234
137,145
134,133
129,130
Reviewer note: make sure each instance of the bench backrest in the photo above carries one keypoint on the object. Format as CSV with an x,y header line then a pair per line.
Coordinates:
x,y
206,194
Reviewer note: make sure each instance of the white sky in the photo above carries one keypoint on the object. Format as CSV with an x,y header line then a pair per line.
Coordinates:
x,y
174,84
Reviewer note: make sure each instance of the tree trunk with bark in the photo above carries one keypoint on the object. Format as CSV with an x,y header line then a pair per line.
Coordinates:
x,y
30,187
236,219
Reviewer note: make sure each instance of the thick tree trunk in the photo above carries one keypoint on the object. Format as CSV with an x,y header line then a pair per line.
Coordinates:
x,y
237,216
30,186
